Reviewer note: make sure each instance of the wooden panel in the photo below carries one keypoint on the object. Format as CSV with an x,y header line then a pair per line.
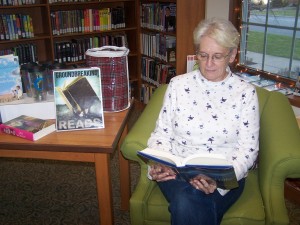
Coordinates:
x,y
65,156
189,14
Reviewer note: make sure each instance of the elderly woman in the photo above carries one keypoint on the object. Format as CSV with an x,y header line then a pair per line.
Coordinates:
x,y
210,111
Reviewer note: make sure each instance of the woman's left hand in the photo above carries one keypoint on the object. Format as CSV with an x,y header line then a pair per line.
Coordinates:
x,y
204,183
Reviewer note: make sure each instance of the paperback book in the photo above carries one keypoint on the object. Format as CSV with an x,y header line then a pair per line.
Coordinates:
x,y
78,99
28,127
211,166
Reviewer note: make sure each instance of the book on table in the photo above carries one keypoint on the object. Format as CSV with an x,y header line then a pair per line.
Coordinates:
x,y
78,99
209,166
28,127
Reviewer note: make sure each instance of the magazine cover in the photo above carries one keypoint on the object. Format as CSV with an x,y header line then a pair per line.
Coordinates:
x,y
10,79
78,99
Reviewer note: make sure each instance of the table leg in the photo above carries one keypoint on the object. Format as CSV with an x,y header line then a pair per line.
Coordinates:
x,y
103,181
124,175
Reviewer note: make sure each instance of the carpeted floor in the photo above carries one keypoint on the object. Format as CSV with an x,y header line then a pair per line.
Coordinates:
x,y
47,192
44,192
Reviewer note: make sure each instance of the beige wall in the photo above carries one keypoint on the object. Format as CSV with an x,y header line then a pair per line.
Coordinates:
x,y
217,8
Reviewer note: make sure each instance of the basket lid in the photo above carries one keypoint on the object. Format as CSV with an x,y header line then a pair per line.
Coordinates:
x,y
108,51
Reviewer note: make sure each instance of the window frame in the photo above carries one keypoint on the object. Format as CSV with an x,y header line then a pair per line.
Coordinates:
x,y
235,13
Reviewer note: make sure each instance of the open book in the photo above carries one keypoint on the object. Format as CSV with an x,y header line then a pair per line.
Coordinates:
x,y
214,166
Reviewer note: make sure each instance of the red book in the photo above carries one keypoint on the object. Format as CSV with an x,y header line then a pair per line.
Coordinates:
x,y
28,127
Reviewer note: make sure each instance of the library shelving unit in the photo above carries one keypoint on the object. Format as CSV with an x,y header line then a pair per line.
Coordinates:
x,y
43,39
188,15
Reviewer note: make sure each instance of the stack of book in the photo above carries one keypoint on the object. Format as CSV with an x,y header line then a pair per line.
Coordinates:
x,y
156,72
15,26
87,20
158,45
16,2
74,50
159,16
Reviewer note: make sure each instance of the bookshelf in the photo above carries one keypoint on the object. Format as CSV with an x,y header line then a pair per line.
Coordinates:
x,y
42,45
188,15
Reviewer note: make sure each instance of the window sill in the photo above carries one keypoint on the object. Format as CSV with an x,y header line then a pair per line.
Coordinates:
x,y
294,100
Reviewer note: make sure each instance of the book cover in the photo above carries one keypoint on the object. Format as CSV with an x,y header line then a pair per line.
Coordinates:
x,y
171,55
211,166
169,12
78,99
10,79
28,127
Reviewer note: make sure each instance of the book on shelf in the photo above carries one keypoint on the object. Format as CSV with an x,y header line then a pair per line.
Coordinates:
x,y
158,16
26,53
87,20
78,99
10,79
27,127
170,55
211,166
169,17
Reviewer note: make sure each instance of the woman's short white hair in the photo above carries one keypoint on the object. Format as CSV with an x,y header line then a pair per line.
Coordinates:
x,y
221,30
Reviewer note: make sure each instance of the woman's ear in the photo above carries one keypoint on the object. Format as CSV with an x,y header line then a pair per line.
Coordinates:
x,y
232,55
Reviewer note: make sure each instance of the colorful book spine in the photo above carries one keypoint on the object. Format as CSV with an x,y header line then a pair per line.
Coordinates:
x,y
16,132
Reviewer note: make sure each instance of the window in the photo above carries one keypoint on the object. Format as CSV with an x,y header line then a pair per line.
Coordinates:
x,y
270,36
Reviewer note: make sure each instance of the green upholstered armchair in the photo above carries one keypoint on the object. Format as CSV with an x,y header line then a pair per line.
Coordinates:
x,y
262,201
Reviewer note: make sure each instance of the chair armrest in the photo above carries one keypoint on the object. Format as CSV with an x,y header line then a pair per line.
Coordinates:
x,y
139,134
279,155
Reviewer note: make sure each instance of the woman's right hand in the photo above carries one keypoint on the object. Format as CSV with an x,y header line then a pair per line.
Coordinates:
x,y
160,173
204,183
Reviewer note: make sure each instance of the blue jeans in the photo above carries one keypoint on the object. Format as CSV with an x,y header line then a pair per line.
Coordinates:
x,y
189,206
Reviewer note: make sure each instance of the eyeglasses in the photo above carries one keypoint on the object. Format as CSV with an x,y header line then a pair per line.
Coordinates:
x,y
217,57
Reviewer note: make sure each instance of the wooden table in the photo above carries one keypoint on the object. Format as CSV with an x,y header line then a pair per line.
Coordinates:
x,y
83,146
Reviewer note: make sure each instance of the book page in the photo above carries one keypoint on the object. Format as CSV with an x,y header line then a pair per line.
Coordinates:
x,y
206,159
161,156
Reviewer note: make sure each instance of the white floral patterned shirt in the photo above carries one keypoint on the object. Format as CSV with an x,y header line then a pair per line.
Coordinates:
x,y
210,117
